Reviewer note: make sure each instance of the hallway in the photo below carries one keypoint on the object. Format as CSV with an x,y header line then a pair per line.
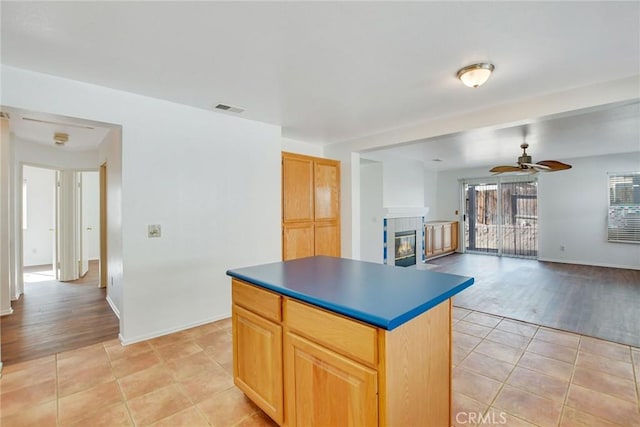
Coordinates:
x,y
52,317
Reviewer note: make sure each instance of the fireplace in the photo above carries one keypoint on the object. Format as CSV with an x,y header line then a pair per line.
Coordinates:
x,y
405,248
403,237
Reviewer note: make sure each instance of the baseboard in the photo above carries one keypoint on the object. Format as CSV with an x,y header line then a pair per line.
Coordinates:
x,y
6,312
171,330
438,256
113,307
596,264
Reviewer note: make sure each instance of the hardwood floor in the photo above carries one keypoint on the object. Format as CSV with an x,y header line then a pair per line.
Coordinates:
x,y
595,301
52,316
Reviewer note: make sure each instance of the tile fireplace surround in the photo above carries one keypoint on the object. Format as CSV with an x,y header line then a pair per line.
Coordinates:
x,y
401,219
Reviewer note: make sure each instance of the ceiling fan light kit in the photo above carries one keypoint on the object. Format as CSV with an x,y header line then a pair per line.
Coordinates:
x,y
60,138
526,165
475,75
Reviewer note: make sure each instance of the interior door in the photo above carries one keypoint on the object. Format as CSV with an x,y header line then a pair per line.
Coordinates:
x,y
90,218
83,262
67,229
56,204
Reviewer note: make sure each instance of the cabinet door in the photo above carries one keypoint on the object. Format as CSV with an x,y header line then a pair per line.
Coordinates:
x,y
297,240
330,389
257,361
446,237
454,235
297,188
437,239
327,238
327,189
428,240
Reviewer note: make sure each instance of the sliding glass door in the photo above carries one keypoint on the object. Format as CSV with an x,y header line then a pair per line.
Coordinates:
x,y
501,216
481,218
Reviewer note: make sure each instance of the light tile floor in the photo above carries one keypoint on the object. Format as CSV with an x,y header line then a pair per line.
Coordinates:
x,y
518,374
505,373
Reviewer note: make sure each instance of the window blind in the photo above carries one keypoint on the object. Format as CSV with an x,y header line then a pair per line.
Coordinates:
x,y
623,224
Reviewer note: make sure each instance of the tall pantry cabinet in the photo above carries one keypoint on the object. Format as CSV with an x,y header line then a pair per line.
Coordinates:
x,y
310,206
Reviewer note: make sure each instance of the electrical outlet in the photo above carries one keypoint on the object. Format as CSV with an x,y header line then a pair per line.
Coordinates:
x,y
154,230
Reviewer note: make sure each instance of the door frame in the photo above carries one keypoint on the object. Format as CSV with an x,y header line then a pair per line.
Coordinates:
x,y
103,226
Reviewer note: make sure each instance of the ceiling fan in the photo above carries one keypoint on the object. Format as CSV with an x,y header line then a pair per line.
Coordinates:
x,y
525,164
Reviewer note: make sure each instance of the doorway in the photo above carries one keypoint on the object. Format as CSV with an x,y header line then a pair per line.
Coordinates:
x,y
53,315
60,222
501,216
77,312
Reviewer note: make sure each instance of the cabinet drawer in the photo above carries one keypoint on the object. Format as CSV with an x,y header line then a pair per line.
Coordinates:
x,y
262,302
343,335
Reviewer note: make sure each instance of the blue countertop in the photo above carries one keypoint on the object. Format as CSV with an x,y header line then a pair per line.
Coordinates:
x,y
381,295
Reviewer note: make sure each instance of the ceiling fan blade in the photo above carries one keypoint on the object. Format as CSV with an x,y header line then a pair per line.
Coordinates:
x,y
554,165
536,166
502,169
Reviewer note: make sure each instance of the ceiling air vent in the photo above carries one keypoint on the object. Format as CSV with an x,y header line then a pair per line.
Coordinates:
x,y
229,108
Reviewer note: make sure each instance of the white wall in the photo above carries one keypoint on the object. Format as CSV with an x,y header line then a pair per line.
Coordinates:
x,y
300,147
110,154
431,194
5,219
403,180
5,284
573,213
572,210
211,181
37,238
371,212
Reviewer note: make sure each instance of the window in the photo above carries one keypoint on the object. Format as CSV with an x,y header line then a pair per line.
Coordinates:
x,y
623,223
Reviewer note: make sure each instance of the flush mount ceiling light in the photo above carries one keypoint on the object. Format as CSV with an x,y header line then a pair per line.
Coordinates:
x,y
475,75
60,138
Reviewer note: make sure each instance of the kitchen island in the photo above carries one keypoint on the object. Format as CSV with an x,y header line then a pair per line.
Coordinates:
x,y
325,341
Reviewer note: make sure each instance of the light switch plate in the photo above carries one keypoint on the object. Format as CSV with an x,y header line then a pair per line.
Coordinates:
x,y
154,230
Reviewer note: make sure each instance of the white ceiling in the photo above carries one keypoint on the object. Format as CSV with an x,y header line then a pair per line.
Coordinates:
x,y
334,71
592,132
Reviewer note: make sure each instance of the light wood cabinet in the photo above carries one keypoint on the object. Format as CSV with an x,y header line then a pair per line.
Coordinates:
x,y
257,347
310,206
330,389
326,183
326,369
297,189
441,238
298,240
446,238
326,239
